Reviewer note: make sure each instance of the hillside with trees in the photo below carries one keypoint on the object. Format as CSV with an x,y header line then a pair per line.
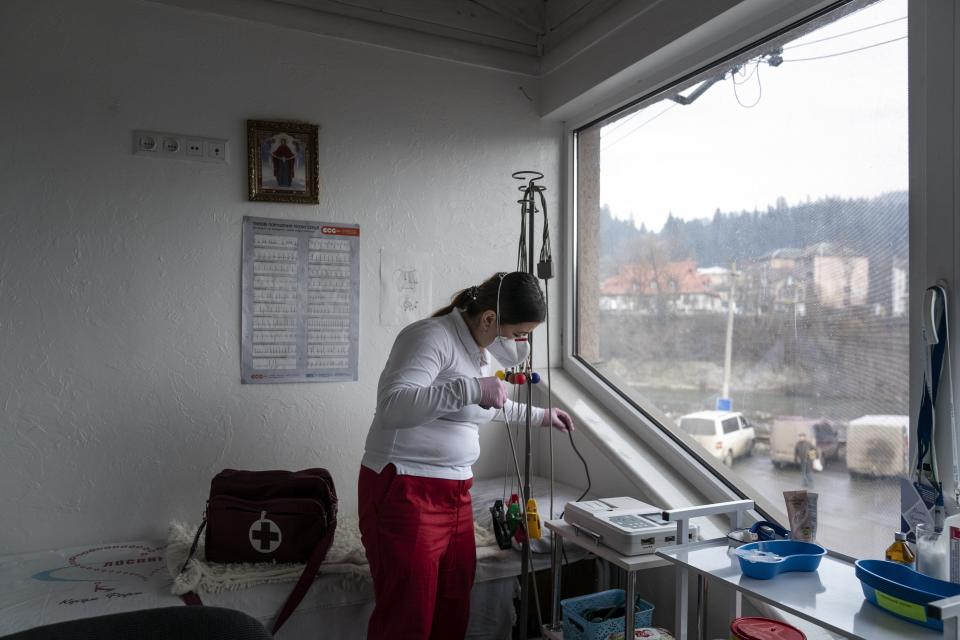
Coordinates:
x,y
853,351
735,236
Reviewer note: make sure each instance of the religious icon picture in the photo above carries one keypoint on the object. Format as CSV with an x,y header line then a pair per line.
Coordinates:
x,y
282,158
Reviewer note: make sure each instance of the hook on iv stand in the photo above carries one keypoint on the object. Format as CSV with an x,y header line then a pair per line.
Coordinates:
x,y
532,194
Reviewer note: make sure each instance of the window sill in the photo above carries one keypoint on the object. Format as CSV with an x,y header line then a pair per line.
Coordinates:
x,y
660,480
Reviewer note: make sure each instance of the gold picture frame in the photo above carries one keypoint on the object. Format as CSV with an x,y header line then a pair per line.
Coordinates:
x,y
282,161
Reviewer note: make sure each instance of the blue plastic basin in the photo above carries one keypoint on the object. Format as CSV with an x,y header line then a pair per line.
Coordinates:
x,y
901,591
794,556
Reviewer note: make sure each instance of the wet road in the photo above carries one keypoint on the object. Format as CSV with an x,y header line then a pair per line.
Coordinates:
x,y
857,516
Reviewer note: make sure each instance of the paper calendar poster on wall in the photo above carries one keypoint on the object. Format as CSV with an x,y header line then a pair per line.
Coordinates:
x,y
300,301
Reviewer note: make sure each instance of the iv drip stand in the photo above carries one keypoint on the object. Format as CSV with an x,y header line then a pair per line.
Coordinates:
x,y
528,209
527,455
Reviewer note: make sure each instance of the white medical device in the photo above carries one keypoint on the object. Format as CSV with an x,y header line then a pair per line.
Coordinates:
x,y
624,524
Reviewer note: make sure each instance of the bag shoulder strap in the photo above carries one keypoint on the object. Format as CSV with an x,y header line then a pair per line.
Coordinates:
x,y
319,552
193,547
306,578
191,598
310,571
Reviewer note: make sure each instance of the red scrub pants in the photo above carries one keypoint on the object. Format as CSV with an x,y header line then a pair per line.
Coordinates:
x,y
418,535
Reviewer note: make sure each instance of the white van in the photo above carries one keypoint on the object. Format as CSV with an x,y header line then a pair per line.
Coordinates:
x,y
785,433
878,446
725,434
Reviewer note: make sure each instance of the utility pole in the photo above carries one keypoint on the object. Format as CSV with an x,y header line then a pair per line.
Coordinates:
x,y
728,348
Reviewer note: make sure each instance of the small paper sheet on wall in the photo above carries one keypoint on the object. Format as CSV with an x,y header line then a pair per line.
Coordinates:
x,y
406,283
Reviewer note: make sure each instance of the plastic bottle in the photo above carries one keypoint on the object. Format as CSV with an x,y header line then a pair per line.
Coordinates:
x,y
514,518
951,530
932,552
533,519
899,551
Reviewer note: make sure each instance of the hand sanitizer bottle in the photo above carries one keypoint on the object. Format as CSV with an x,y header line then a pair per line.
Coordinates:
x,y
899,551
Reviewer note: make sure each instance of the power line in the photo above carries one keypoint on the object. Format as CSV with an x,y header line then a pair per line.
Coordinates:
x,y
756,70
642,124
846,33
623,121
843,53
633,115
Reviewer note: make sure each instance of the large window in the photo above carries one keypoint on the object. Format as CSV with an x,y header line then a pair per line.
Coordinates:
x,y
742,253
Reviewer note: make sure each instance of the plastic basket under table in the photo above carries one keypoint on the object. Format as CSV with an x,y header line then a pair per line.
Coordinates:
x,y
576,627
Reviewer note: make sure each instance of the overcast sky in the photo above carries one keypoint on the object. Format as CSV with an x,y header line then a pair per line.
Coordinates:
x,y
830,127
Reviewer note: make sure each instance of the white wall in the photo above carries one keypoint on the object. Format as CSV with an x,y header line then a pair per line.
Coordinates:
x,y
120,275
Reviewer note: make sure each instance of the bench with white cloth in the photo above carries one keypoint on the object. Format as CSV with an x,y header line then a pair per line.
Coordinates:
x,y
65,584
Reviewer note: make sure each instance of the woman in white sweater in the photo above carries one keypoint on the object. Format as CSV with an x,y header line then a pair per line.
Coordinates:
x,y
435,391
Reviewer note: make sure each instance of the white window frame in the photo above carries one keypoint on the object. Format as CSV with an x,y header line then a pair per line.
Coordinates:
x,y
934,182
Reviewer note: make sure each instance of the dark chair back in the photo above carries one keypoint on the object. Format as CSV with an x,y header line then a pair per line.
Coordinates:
x,y
169,623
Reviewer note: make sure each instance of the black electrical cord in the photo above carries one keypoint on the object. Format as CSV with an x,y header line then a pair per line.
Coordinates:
x,y
546,260
586,469
546,251
522,246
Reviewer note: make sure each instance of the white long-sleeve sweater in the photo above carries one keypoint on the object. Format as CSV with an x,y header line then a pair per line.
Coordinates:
x,y
427,418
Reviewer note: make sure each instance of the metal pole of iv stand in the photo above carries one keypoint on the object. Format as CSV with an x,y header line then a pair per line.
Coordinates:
x,y
525,494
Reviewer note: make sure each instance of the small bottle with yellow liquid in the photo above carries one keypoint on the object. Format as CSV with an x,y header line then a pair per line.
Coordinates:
x,y
533,519
899,551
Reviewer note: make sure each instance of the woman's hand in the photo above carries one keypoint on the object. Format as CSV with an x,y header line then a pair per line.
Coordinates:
x,y
493,392
558,419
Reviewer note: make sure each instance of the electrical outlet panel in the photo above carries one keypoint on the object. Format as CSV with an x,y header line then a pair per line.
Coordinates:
x,y
145,143
179,146
214,149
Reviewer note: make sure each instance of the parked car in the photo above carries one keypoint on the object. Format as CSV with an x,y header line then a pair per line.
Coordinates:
x,y
725,434
786,432
877,445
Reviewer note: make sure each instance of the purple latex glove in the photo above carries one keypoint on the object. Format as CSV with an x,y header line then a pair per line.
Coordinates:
x,y
493,393
558,419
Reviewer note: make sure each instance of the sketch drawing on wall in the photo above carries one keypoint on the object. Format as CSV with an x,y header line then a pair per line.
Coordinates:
x,y
405,287
407,279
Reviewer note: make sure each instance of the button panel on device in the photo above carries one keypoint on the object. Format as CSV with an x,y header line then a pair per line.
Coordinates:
x,y
631,522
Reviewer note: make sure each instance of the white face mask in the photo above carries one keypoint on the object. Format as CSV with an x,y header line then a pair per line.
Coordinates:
x,y
509,351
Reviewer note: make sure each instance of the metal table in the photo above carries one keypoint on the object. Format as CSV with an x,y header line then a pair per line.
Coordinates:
x,y
564,533
830,597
